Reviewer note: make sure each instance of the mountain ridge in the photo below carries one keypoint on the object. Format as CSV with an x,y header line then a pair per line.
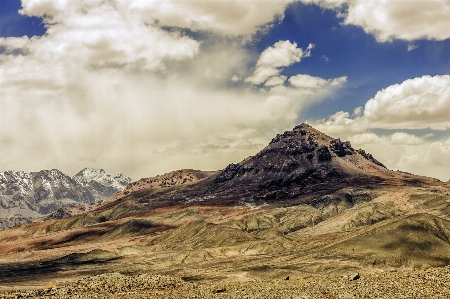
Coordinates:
x,y
26,196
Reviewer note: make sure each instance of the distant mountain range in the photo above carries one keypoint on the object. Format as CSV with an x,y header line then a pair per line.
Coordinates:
x,y
26,196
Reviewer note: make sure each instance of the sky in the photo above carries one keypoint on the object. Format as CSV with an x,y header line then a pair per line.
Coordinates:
x,y
147,87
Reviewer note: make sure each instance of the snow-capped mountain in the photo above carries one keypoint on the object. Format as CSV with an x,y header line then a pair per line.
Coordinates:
x,y
25,196
103,184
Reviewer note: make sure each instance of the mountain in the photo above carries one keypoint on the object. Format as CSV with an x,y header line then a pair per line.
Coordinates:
x,y
297,160
295,164
167,180
171,179
25,196
101,184
306,205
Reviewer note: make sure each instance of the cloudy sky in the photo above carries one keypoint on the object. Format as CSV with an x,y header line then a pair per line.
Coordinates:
x,y
146,87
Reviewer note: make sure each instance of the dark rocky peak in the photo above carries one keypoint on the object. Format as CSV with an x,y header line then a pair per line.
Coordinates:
x,y
303,154
302,136
305,139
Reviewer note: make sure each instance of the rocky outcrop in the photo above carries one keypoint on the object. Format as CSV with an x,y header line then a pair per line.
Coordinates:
x,y
167,180
370,157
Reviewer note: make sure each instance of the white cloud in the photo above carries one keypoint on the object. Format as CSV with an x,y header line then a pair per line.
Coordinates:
x,y
387,20
366,138
339,123
110,86
428,159
275,80
412,46
393,19
416,103
315,83
273,59
231,17
276,107
283,54
357,111
438,154
228,17
98,34
236,78
405,139
397,138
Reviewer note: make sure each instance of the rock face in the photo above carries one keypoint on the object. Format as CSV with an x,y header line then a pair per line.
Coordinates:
x,y
25,196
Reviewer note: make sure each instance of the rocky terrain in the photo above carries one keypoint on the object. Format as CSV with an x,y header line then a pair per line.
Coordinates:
x,y
308,207
167,180
423,283
26,196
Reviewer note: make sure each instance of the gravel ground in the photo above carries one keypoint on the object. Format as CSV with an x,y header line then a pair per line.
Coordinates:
x,y
425,283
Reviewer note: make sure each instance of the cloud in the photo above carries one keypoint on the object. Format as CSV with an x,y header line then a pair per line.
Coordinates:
x,y
366,138
397,138
357,111
315,83
387,20
430,159
402,138
236,78
407,152
109,84
274,58
275,80
97,34
412,46
231,17
438,154
418,103
339,123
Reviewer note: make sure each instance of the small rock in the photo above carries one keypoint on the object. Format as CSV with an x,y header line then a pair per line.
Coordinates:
x,y
287,278
354,276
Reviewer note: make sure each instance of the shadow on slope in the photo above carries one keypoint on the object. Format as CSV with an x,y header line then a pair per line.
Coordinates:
x,y
13,273
419,240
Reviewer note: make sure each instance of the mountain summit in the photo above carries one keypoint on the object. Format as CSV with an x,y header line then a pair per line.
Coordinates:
x,y
300,161
103,185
